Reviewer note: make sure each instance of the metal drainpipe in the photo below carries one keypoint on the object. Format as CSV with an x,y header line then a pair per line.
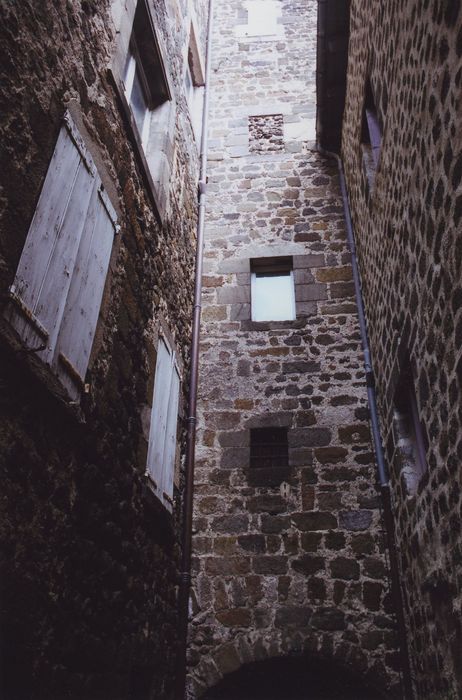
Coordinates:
x,y
377,440
185,574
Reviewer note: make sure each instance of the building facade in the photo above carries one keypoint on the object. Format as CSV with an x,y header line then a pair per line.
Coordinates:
x,y
99,144
405,191
295,586
289,543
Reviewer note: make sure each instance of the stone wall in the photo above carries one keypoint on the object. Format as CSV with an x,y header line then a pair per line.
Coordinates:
x,y
408,231
89,557
296,566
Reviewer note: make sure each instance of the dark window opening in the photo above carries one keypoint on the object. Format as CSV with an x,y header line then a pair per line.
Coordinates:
x,y
409,431
149,57
371,133
269,456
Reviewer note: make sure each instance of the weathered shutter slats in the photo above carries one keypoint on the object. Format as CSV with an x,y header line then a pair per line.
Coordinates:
x,y
159,415
170,436
50,305
57,292
83,302
43,231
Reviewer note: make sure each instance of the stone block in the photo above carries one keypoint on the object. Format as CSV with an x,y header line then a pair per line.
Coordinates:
x,y
300,456
328,619
267,503
227,659
352,434
234,265
315,520
355,519
233,524
227,566
240,312
270,565
344,568
274,523
340,290
310,292
235,458
308,261
375,568
308,437
233,295
301,367
237,617
308,564
363,544
238,438
291,616
330,455
335,540
334,274
311,541
372,595
252,543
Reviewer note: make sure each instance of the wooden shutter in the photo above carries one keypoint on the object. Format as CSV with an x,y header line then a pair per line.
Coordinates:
x,y
56,295
170,436
39,254
162,435
83,302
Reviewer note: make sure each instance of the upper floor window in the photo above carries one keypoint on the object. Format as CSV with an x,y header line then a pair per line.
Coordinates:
x,y
194,83
262,19
56,295
164,418
272,289
409,432
140,75
371,133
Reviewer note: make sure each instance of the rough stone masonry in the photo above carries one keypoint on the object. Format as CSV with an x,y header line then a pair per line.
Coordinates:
x,y
294,565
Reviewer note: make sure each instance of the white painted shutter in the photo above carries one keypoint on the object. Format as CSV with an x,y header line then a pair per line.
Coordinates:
x,y
36,263
159,415
170,436
83,302
59,283
162,436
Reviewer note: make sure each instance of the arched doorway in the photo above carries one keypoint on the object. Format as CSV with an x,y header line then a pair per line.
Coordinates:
x,y
293,678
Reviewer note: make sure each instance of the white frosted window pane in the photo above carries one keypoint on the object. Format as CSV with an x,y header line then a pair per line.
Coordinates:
x,y
263,15
272,297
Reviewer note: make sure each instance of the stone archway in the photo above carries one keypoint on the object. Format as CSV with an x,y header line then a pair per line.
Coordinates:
x,y
292,678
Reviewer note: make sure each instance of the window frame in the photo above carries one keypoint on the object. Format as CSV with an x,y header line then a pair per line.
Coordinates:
x,y
270,267
154,148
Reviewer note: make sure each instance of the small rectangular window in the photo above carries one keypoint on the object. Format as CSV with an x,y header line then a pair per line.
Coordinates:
x,y
262,19
268,448
164,418
371,133
269,456
272,289
409,432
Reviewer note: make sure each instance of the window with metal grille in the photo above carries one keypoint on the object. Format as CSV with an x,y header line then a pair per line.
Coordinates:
x,y
269,457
